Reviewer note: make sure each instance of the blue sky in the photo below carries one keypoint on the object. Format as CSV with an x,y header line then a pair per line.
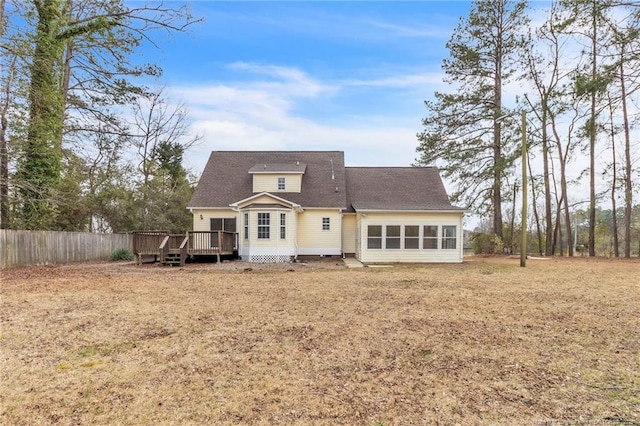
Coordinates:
x,y
348,76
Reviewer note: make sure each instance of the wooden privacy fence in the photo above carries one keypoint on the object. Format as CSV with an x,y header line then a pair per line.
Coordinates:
x,y
44,247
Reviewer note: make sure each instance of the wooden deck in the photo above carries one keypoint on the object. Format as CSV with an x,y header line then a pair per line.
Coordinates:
x,y
174,249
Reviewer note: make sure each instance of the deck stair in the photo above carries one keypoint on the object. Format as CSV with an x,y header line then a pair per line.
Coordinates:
x,y
173,259
174,249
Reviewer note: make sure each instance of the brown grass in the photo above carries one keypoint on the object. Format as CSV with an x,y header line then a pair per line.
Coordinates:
x,y
485,342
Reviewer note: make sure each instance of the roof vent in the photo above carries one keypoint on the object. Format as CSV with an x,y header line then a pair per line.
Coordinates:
x,y
336,189
333,175
297,163
265,167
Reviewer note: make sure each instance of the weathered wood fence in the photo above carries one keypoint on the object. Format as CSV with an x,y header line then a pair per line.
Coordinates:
x,y
45,247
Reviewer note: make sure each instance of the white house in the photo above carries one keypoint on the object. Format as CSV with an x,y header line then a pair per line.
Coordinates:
x,y
285,204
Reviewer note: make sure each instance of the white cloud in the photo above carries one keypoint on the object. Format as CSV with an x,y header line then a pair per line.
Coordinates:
x,y
262,115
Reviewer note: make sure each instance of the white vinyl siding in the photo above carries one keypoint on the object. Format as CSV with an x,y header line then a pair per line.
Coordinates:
x,y
255,246
312,239
269,182
202,217
349,234
409,237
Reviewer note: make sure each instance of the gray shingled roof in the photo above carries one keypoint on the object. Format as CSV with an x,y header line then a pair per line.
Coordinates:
x,y
271,168
396,188
226,178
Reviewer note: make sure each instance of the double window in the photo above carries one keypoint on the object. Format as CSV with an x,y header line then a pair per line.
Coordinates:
x,y
412,237
264,226
326,223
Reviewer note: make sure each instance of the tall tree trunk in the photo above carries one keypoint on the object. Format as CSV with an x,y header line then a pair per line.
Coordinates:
x,y
535,207
497,151
547,189
40,168
628,193
614,212
592,136
559,228
513,218
497,132
4,154
4,122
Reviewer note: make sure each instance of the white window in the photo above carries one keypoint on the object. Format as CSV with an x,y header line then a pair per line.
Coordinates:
x,y
246,226
264,225
412,237
374,237
449,237
281,184
326,223
283,226
392,239
430,237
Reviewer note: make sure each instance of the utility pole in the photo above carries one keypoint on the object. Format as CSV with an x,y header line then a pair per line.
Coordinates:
x,y
523,245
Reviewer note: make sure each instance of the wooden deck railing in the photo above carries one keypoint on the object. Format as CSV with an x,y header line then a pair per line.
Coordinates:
x,y
147,242
173,244
212,242
162,243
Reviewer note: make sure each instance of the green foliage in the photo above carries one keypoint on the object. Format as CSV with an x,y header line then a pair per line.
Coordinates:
x,y
122,254
80,75
486,243
465,132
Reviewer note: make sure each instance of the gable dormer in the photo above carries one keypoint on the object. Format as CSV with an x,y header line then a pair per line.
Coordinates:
x,y
270,177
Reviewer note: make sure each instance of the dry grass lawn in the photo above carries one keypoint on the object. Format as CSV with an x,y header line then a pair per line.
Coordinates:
x,y
485,342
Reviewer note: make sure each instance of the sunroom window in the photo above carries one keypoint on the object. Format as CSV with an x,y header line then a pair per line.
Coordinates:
x,y
449,237
374,237
430,237
393,237
411,237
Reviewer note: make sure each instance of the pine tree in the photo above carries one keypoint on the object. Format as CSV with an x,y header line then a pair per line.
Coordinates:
x,y
464,129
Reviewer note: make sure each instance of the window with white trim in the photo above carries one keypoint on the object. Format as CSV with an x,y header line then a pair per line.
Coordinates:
x,y
430,237
392,240
281,184
246,226
283,226
449,237
412,237
264,225
374,237
326,223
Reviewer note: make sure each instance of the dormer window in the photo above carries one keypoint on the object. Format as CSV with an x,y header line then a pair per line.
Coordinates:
x,y
281,184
